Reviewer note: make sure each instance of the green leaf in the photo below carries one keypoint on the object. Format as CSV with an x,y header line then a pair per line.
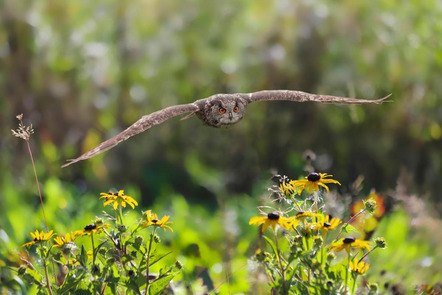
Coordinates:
x,y
32,276
161,282
72,280
348,228
155,258
271,244
83,256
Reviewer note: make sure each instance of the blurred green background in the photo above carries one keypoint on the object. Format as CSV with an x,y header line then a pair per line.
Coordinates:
x,y
82,71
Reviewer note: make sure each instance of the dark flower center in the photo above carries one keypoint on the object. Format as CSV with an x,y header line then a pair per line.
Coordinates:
x,y
90,226
273,216
155,220
313,177
349,240
327,224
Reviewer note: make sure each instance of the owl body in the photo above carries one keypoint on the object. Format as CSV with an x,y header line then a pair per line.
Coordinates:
x,y
221,110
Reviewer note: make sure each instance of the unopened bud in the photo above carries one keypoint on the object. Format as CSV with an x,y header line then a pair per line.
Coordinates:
x,y
178,264
380,243
370,205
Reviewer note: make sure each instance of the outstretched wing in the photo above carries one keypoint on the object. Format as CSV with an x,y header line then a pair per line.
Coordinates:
x,y
299,96
139,126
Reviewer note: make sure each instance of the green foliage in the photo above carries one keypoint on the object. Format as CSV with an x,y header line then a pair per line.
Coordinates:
x,y
122,261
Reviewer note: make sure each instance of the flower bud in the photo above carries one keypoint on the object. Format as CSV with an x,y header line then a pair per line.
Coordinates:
x,y
317,241
380,243
178,264
121,228
372,288
370,205
331,256
21,270
95,270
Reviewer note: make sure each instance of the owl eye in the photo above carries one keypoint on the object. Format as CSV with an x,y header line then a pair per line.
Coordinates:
x,y
222,110
236,109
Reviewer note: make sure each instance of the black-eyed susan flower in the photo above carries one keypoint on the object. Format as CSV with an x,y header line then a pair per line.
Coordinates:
x,y
286,188
274,219
93,228
326,224
347,243
151,219
312,182
118,199
39,237
68,238
358,267
301,215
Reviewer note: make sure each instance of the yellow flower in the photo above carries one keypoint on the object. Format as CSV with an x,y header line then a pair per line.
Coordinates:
x,y
39,237
118,199
93,228
60,241
348,242
152,220
312,182
304,214
274,219
359,267
286,188
326,224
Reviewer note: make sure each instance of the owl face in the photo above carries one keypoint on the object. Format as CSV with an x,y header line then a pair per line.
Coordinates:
x,y
224,110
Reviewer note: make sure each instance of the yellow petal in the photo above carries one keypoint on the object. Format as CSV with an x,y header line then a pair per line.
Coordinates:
x,y
257,220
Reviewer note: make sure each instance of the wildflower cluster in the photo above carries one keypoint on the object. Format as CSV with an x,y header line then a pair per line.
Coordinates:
x,y
118,262
306,258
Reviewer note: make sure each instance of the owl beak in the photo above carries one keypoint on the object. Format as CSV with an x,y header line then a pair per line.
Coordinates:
x,y
230,115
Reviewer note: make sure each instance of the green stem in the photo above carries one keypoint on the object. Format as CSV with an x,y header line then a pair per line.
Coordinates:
x,y
296,203
322,249
280,264
93,249
121,215
147,261
346,272
38,185
347,222
354,284
365,255
316,201
48,283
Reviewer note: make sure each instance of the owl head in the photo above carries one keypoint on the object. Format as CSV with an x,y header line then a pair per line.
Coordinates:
x,y
223,110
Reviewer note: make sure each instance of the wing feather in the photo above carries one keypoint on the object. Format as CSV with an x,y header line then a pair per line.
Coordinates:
x,y
139,126
300,96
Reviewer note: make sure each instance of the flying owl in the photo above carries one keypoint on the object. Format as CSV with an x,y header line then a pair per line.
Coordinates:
x,y
216,111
